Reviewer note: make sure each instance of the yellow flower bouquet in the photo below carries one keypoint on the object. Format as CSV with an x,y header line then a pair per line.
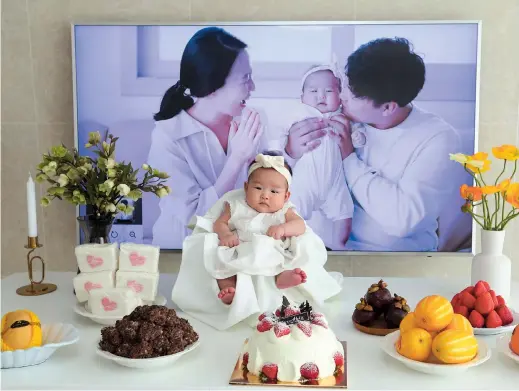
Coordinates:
x,y
504,191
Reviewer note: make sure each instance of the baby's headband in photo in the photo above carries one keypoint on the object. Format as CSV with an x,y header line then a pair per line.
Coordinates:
x,y
333,67
275,162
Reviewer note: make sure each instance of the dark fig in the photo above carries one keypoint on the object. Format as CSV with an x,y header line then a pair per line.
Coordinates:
x,y
396,312
379,297
364,313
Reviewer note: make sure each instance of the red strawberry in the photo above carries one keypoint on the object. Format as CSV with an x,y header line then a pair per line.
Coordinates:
x,y
269,371
305,327
484,303
278,312
493,320
263,315
339,359
500,301
320,322
494,298
455,300
265,324
468,300
505,314
476,319
462,310
281,329
479,289
309,371
469,289
289,311
339,377
487,285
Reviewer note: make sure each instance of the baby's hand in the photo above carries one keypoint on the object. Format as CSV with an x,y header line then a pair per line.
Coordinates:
x,y
229,240
276,231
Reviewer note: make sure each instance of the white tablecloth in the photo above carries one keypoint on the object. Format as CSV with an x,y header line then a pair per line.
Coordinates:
x,y
209,366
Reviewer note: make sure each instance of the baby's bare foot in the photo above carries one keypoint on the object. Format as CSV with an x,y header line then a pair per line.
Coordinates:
x,y
226,295
290,278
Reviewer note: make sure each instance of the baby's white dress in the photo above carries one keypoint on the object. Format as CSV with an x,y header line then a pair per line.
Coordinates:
x,y
255,262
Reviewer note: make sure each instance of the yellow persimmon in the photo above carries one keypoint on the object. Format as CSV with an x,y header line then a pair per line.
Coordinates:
x,y
472,193
512,195
506,152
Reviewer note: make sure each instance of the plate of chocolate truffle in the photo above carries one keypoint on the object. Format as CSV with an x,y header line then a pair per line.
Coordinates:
x,y
379,312
151,336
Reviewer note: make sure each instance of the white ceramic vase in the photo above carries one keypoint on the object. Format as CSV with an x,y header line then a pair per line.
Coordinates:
x,y
491,265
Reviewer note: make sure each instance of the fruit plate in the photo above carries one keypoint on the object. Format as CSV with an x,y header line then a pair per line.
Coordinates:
x,y
499,330
378,327
503,346
54,336
388,345
146,363
83,310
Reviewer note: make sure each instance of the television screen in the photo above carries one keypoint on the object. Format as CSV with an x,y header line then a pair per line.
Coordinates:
x,y
365,114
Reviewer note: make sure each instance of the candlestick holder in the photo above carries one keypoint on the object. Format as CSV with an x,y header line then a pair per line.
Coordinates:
x,y
36,288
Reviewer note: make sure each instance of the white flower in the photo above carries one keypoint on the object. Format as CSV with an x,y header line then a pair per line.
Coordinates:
x,y
110,163
87,166
162,192
123,189
110,208
112,173
459,157
145,167
63,180
53,165
109,184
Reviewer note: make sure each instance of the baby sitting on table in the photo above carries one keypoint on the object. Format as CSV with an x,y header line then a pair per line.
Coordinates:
x,y
251,249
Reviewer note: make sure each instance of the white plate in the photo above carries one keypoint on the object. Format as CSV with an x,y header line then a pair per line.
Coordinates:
x,y
388,345
54,336
82,309
499,330
146,363
503,345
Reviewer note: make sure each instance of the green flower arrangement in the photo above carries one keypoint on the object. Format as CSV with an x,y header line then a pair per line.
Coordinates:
x,y
100,183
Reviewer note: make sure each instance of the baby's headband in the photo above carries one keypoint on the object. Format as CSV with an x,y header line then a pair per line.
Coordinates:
x,y
332,67
275,162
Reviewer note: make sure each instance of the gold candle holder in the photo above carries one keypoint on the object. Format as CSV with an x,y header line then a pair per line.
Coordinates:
x,y
36,288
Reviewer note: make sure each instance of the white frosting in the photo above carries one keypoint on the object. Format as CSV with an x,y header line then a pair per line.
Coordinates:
x,y
87,282
139,258
144,284
289,352
93,257
113,301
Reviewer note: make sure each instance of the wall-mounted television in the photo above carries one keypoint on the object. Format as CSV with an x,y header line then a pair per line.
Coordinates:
x,y
379,182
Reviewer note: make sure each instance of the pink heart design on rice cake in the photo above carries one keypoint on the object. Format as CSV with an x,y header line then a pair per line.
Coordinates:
x,y
94,261
108,304
136,259
92,285
137,287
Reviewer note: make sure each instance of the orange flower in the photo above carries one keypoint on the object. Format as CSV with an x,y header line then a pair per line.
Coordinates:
x,y
478,162
506,152
490,190
472,193
503,186
512,195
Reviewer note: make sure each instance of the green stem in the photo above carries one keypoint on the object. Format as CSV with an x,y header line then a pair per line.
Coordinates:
x,y
506,219
475,219
502,172
509,219
513,172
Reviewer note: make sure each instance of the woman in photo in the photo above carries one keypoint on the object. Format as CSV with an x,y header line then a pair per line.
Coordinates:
x,y
196,139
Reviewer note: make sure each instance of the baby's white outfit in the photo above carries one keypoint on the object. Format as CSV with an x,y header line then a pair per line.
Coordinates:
x,y
255,262
257,253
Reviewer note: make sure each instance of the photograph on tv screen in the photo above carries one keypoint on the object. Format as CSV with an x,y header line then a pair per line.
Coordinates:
x,y
364,114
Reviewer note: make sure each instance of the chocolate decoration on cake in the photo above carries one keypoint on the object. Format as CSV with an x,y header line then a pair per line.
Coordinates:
x,y
304,308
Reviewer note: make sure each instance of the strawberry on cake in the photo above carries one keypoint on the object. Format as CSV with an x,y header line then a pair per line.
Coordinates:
x,y
294,344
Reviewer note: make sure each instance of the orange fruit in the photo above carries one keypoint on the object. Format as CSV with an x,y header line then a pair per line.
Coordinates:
x,y
433,313
514,341
415,344
459,322
407,323
455,346
433,334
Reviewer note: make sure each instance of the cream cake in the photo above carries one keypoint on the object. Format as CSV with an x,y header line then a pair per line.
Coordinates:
x,y
139,258
294,344
113,301
94,257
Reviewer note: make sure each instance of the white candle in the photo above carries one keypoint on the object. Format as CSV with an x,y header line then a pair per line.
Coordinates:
x,y
31,208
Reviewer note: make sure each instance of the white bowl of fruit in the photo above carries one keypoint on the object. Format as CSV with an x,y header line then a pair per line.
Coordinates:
x,y
487,312
433,339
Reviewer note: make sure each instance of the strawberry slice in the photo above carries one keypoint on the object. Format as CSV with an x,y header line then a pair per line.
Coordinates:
x,y
281,329
305,327
265,324
339,359
309,371
269,371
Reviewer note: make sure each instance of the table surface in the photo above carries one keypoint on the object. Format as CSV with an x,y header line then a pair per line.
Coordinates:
x,y
210,365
